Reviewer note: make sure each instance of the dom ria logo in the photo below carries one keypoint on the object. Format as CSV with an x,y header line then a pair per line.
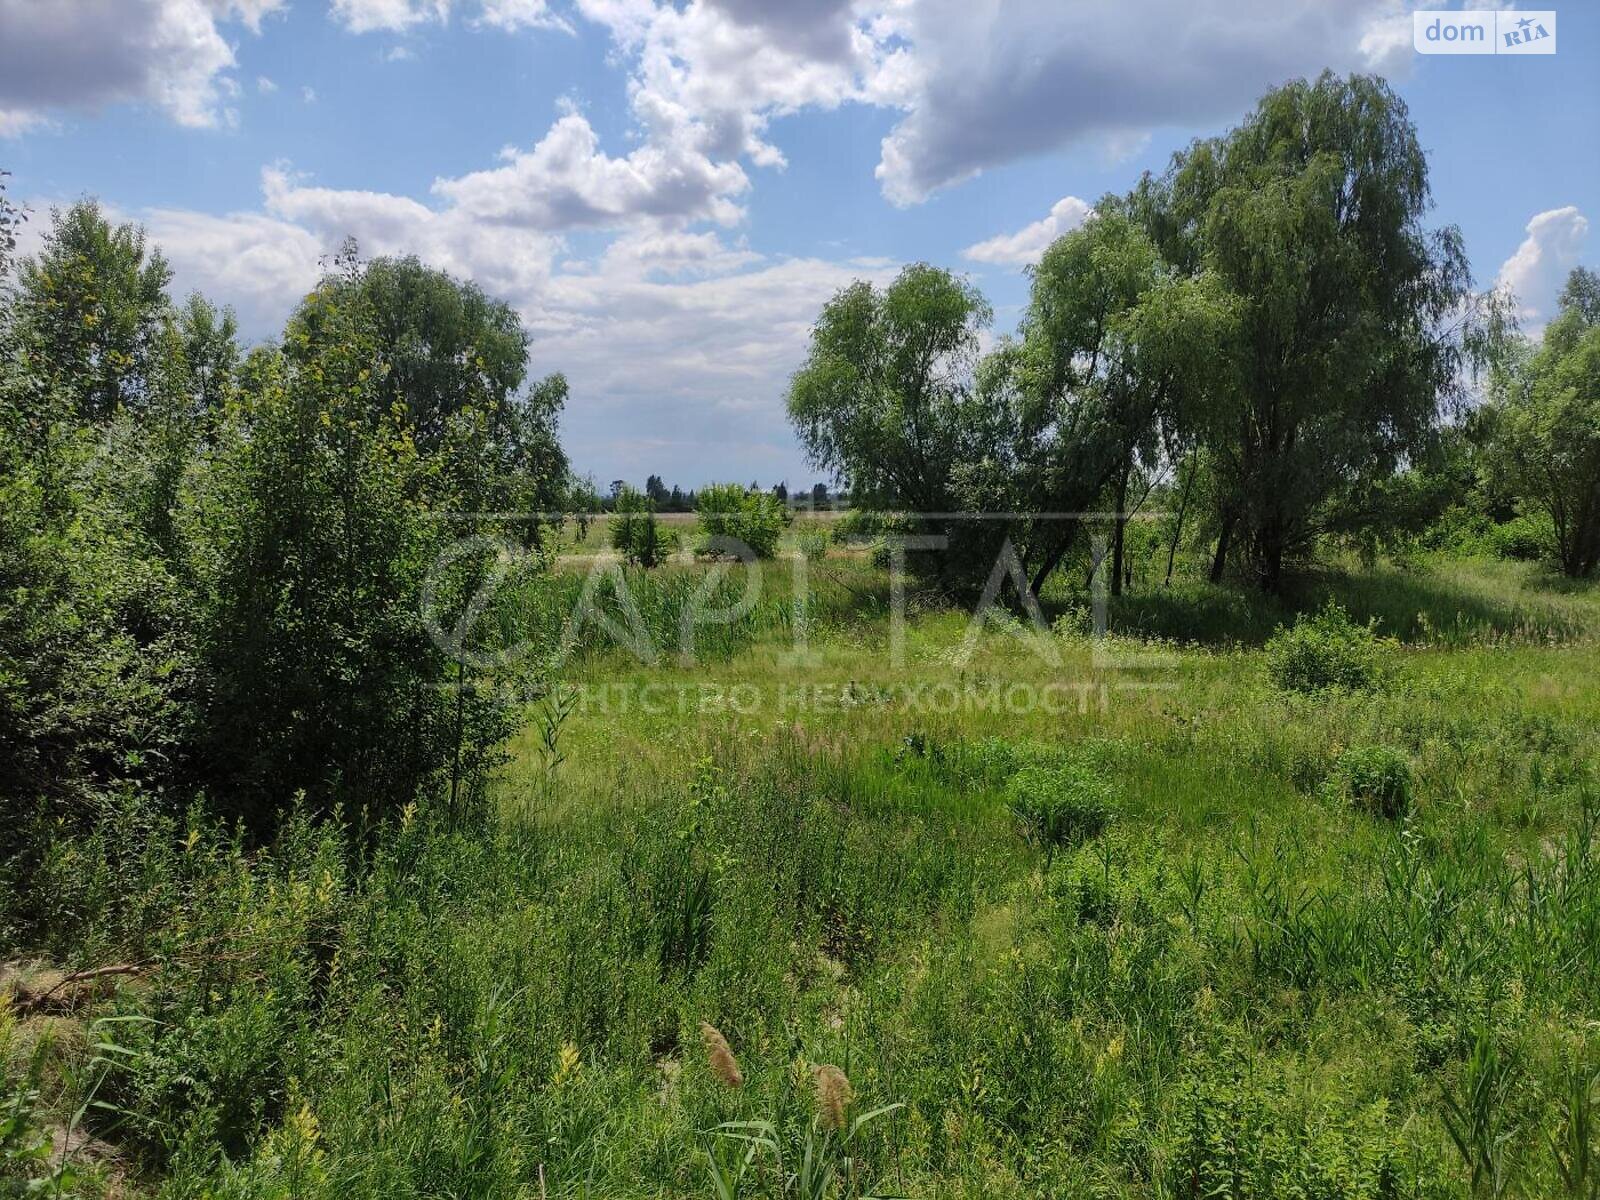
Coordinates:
x,y
1510,31
1527,31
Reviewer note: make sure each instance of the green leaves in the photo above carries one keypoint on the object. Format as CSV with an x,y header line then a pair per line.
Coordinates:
x,y
883,396
1478,1117
1545,444
90,305
1326,652
735,520
1345,313
635,532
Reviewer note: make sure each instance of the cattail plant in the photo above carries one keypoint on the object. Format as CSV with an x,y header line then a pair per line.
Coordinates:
x,y
834,1095
723,1065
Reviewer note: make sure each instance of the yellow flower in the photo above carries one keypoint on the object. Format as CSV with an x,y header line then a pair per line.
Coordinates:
x,y
568,1062
305,1125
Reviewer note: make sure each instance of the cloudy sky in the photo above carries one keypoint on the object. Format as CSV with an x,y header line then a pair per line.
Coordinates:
x,y
667,190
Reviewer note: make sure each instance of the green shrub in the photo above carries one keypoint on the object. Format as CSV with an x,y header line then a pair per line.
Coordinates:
x,y
313,568
25,1151
863,525
1527,538
635,533
1464,531
1325,651
97,667
1237,1132
814,543
1376,779
732,513
1060,804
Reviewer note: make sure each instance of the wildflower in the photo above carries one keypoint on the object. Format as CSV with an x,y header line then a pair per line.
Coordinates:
x,y
567,1062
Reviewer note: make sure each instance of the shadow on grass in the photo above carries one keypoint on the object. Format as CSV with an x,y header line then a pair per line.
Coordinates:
x,y
1460,607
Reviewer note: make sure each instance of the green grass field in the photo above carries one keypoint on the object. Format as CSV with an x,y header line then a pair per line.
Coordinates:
x,y
1133,922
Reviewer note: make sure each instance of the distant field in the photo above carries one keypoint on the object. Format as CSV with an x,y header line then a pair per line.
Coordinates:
x,y
576,539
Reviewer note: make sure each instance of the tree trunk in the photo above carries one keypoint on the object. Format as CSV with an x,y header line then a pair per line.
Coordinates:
x,y
1052,560
1266,553
1177,528
1271,570
1117,533
1219,561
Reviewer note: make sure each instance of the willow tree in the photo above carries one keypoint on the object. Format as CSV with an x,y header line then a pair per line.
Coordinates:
x,y
884,399
1350,310
1001,455
453,363
1545,444
1115,351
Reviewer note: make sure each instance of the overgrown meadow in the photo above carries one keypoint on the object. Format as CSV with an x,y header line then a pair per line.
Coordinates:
x,y
1308,914
1158,761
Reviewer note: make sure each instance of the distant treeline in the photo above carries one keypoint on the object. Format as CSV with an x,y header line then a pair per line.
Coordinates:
x,y
675,499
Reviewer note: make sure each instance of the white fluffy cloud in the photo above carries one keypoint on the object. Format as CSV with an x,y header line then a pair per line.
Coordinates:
x,y
1023,248
653,254
1539,267
567,182
994,82
678,344
14,122
511,15
713,73
980,82
397,16
260,265
250,12
504,259
58,55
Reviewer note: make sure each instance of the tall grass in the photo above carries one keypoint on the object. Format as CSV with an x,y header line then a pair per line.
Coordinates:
x,y
1187,943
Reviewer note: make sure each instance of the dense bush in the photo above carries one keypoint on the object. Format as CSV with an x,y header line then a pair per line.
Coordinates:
x,y
1525,538
97,671
212,569
1467,531
1326,651
735,520
310,562
1376,779
1059,804
635,532
813,543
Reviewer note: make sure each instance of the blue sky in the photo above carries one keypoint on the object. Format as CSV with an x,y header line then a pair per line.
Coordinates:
x,y
668,191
